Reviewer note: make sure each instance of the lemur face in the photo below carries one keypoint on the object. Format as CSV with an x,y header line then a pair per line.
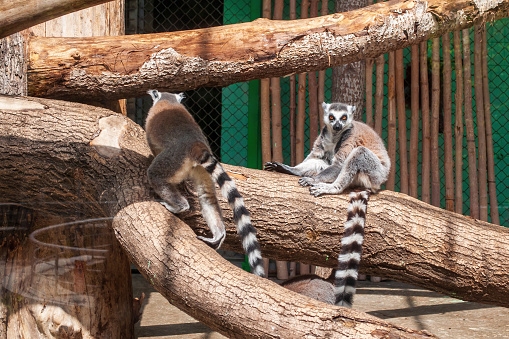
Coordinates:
x,y
170,97
338,115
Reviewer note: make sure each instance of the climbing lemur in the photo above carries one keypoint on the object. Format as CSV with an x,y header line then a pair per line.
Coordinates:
x,y
346,154
182,152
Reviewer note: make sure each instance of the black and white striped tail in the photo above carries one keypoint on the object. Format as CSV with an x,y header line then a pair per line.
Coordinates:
x,y
351,249
245,229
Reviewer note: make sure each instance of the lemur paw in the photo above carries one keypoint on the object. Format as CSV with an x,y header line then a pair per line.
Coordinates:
x,y
307,181
271,166
177,208
215,243
322,188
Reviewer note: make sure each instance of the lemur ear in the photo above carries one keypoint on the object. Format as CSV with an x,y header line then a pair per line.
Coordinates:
x,y
154,93
352,109
180,97
325,106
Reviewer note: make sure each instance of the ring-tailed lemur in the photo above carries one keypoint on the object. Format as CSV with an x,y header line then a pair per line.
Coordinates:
x,y
182,152
347,154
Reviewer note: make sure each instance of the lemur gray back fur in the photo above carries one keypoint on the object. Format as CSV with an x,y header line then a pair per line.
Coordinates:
x,y
346,154
182,152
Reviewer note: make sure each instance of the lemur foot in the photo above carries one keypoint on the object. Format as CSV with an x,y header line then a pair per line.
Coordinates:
x,y
272,166
307,181
177,208
323,188
215,243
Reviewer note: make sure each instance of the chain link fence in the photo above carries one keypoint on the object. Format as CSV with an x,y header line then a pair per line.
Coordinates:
x,y
230,116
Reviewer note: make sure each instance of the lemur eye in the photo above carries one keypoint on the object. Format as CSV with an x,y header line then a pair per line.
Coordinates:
x,y
331,117
343,117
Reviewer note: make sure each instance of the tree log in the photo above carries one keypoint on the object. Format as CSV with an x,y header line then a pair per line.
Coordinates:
x,y
74,153
16,15
77,153
120,67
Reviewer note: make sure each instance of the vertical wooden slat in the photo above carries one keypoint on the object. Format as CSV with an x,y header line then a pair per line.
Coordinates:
x,y
435,121
447,105
313,91
481,128
301,114
293,102
324,10
425,172
492,185
369,87
391,122
414,128
277,137
458,124
379,93
369,92
301,101
469,127
401,110
265,116
265,102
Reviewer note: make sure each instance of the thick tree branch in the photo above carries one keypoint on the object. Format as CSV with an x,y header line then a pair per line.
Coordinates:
x,y
75,153
406,239
16,15
119,67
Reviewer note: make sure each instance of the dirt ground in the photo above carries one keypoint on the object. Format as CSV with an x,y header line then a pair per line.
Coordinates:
x,y
399,303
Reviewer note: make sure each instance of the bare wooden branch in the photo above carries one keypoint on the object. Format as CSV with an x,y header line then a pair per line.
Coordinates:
x,y
406,239
16,15
108,171
119,67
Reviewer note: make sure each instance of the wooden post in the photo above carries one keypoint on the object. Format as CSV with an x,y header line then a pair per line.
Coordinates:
x,y
492,185
435,119
379,93
391,124
447,106
293,102
400,98
469,126
481,126
425,172
458,124
414,128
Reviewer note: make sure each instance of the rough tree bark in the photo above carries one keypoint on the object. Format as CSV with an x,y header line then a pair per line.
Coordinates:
x,y
101,158
20,14
119,67
348,80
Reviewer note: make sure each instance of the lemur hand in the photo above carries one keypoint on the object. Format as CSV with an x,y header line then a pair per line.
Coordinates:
x,y
272,166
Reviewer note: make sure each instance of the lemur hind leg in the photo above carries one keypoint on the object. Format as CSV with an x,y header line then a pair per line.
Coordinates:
x,y
210,209
357,170
159,179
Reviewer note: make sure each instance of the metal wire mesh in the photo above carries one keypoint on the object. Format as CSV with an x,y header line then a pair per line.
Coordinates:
x,y
223,114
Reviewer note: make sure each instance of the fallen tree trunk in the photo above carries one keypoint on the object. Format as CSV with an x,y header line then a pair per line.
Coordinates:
x,y
119,67
71,153
406,239
67,154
